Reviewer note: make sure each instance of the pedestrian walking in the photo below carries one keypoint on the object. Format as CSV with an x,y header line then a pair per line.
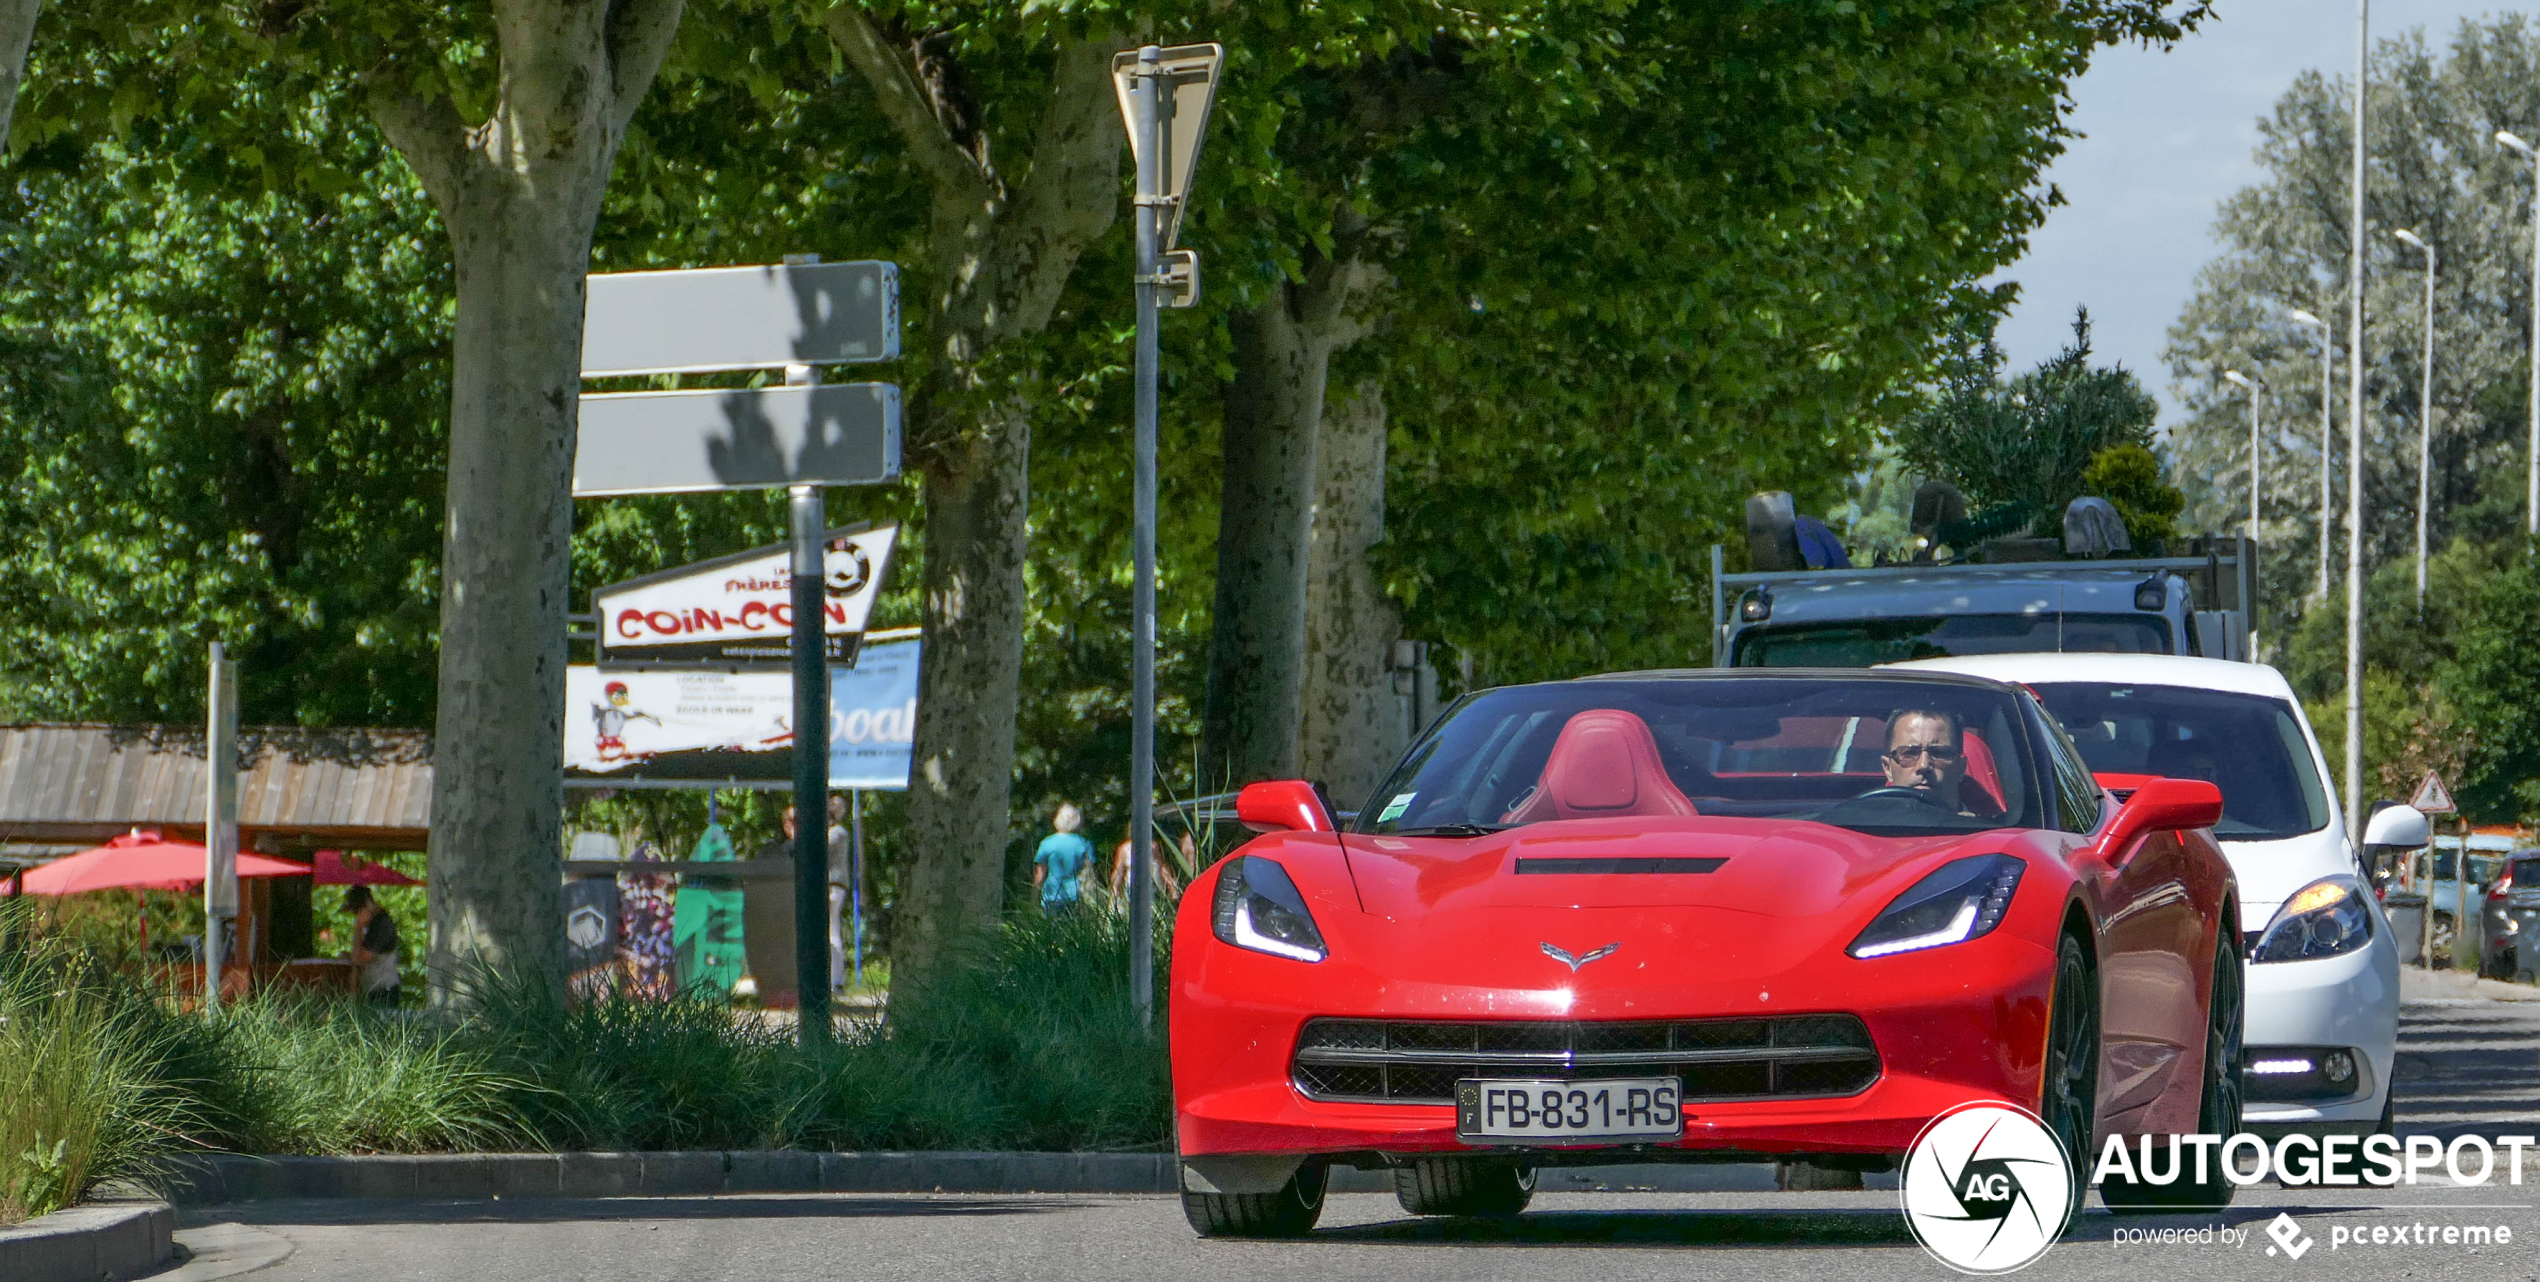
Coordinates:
x,y
375,945
1064,863
1168,878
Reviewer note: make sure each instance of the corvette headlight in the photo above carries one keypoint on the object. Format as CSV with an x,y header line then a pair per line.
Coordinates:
x,y
1956,902
1258,907
2323,919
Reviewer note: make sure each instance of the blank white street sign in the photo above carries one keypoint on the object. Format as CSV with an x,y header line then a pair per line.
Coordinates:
x,y
737,439
728,318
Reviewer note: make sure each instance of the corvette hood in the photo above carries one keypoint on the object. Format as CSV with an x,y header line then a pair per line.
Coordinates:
x,y
1770,868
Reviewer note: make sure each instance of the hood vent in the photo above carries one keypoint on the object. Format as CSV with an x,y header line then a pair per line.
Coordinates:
x,y
1606,866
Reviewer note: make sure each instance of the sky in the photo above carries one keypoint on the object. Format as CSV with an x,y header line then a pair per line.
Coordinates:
x,y
2167,137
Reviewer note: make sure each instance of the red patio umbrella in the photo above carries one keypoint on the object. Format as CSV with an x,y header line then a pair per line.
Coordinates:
x,y
335,868
142,861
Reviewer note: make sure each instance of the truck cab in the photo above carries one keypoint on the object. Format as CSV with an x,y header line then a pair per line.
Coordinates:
x,y
1841,618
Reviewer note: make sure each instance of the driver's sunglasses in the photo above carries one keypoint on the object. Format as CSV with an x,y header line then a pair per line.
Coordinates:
x,y
1910,754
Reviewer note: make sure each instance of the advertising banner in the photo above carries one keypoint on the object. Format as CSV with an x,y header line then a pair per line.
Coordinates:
x,y
740,608
652,726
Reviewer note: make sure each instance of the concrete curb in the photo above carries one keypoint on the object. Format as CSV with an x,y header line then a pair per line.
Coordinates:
x,y
207,1181
84,1243
471,1176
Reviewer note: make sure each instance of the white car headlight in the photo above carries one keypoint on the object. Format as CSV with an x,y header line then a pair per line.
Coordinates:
x,y
2324,919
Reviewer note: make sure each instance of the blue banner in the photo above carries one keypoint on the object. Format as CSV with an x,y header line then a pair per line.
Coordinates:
x,y
873,717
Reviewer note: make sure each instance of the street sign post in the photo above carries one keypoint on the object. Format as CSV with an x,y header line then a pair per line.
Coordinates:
x,y
1165,95
797,316
220,821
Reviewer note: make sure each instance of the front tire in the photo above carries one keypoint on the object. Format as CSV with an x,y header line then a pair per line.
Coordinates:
x,y
1466,1186
2218,1109
1289,1212
2069,1102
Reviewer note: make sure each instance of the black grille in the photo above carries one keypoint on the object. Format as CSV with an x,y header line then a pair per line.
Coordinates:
x,y
1419,1062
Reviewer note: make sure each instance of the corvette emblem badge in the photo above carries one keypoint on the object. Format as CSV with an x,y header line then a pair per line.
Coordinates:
x,y
1574,961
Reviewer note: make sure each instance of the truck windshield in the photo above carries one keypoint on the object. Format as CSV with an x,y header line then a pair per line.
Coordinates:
x,y
2248,745
1875,755
1861,643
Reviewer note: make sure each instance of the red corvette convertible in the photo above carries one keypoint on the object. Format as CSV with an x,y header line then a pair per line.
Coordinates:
x,y
1703,916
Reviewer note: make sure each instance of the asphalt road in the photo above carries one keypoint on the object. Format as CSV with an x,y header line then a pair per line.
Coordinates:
x,y
2470,1063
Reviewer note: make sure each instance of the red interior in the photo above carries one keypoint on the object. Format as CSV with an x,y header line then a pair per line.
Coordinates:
x,y
1605,765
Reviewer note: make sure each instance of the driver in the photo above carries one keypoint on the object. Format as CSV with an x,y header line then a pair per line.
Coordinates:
x,y
1927,751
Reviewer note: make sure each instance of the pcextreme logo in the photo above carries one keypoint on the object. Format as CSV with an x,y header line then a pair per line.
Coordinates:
x,y
1987,1188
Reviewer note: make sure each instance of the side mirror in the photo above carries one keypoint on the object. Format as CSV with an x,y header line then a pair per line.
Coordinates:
x,y
1284,805
2163,805
2123,786
2401,826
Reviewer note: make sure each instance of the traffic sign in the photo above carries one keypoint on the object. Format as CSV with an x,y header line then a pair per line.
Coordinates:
x,y
1191,72
730,318
737,439
2432,797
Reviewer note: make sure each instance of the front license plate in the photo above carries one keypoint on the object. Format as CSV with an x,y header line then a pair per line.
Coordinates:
x,y
1619,1108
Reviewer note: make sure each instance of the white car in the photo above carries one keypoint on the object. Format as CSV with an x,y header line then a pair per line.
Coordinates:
x,y
2323,973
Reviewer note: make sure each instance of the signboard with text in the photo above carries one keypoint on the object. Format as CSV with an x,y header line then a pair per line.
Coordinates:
x,y
740,609
737,727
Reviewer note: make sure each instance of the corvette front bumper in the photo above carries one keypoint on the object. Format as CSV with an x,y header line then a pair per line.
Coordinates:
x,y
1956,1024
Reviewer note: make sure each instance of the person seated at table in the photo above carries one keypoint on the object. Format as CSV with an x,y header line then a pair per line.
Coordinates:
x,y
375,945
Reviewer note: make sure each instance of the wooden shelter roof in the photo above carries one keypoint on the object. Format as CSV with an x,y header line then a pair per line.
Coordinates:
x,y
84,782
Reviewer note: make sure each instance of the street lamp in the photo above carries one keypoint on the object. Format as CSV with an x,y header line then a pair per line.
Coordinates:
x,y
2328,364
2256,386
2425,409
2531,510
2355,216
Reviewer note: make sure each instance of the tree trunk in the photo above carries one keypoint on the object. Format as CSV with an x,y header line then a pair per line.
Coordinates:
x,y
971,669
17,31
1274,407
1354,723
997,257
518,194
498,794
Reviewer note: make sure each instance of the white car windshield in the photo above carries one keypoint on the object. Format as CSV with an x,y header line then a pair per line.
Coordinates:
x,y
1874,754
2250,746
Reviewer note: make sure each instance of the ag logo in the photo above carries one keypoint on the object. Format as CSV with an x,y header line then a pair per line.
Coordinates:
x,y
585,928
1987,1188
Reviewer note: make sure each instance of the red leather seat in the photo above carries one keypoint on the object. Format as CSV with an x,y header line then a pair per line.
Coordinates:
x,y
1605,765
1984,778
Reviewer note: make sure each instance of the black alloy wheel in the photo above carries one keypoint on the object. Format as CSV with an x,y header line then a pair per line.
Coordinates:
x,y
2069,1102
1289,1212
1470,1186
2218,1110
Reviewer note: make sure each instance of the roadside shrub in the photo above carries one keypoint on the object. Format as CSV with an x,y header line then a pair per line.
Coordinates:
x,y
303,1076
86,1089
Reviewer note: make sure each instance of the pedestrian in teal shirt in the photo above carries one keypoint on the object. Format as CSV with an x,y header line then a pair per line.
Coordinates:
x,y
1059,867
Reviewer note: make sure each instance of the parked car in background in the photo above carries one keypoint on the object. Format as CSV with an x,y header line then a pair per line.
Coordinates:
x,y
2323,960
2442,887
2511,915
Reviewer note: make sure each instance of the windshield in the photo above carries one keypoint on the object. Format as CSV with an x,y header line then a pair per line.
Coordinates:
x,y
1880,755
2248,745
1862,643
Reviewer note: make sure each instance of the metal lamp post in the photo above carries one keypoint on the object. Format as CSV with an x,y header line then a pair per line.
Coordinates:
x,y
2531,509
2425,410
2328,363
2256,387
2355,440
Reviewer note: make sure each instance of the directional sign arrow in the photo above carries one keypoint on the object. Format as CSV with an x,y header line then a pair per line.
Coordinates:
x,y
737,439
1191,72
728,318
